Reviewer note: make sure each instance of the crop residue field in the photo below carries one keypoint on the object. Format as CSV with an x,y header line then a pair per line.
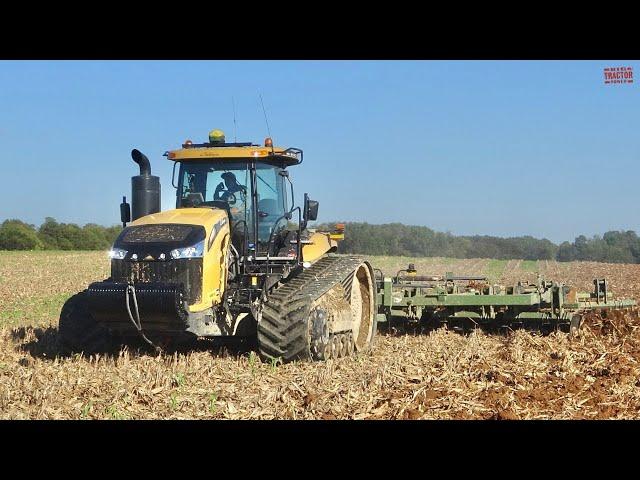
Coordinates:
x,y
407,375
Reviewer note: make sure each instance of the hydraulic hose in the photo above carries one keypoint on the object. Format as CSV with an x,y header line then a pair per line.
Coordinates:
x,y
138,324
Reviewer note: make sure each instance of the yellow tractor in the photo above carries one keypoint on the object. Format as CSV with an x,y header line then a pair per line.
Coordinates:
x,y
234,259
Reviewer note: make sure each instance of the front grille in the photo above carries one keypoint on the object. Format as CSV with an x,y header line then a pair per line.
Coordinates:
x,y
186,272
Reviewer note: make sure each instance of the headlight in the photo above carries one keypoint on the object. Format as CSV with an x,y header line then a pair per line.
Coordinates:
x,y
194,251
117,253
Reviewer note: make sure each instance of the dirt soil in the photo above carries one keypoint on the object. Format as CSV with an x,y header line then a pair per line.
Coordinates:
x,y
408,375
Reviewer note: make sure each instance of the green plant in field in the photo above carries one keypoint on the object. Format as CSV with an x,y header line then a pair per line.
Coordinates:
x,y
252,362
178,379
86,408
274,364
113,412
174,401
213,398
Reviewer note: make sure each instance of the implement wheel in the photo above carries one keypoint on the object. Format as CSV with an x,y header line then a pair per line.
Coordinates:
x,y
576,322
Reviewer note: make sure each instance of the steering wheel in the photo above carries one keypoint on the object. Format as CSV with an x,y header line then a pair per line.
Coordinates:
x,y
230,198
224,195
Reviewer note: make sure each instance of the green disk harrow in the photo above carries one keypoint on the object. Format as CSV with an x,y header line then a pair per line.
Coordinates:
x,y
463,303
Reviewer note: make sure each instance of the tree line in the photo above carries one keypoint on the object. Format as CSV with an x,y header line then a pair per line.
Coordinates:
x,y
51,235
362,238
416,241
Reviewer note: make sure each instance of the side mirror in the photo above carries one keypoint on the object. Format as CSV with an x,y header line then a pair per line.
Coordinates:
x,y
310,208
125,212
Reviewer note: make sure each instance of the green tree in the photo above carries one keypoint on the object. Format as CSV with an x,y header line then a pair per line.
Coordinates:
x,y
49,234
17,235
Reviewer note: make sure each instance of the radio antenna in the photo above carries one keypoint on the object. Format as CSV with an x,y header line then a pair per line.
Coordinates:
x,y
265,115
233,102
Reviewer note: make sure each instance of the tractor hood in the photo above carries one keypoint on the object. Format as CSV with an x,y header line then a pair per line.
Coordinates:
x,y
205,217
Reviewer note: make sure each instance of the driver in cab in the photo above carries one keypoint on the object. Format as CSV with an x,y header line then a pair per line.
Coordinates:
x,y
227,192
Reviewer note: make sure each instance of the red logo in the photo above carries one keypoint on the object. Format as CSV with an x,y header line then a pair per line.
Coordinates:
x,y
618,75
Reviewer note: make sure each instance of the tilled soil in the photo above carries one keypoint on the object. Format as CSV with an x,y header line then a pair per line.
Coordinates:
x,y
439,375
407,375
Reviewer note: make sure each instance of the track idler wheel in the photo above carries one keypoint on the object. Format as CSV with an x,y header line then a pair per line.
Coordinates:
x,y
363,308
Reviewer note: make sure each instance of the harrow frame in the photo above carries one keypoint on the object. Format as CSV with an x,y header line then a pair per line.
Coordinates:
x,y
464,303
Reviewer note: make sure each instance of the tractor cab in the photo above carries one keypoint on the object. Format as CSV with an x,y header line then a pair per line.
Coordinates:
x,y
250,182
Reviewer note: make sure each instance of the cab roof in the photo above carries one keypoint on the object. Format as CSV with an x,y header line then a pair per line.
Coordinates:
x,y
236,152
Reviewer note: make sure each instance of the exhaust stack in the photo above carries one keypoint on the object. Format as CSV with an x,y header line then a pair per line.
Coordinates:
x,y
142,160
145,188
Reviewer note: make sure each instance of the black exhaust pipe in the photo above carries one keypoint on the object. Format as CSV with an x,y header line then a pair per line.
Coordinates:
x,y
142,160
145,188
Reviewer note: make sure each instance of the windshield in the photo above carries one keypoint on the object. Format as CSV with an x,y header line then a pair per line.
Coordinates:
x,y
224,183
208,184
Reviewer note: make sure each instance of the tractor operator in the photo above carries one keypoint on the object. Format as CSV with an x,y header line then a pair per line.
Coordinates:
x,y
232,186
228,194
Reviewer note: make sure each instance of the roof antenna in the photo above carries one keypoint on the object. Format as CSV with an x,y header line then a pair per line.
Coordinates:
x,y
235,138
265,116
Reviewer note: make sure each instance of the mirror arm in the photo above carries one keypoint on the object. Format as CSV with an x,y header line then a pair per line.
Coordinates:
x,y
304,214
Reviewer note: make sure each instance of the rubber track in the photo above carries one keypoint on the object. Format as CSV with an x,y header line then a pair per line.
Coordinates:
x,y
283,330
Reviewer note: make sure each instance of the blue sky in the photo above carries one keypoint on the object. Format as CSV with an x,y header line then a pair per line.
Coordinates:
x,y
472,147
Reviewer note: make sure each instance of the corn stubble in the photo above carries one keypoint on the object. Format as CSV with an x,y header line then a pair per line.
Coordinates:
x,y
408,375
